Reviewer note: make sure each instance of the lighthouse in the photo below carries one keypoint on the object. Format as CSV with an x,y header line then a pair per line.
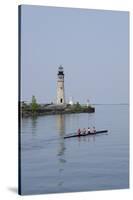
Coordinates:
x,y
60,86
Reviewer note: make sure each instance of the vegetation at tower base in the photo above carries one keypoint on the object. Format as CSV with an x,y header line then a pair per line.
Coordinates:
x,y
35,109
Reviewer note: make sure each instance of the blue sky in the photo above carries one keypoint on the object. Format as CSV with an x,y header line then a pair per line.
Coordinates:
x,y
91,45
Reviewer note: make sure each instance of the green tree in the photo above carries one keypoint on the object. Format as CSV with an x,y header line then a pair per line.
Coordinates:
x,y
78,106
34,105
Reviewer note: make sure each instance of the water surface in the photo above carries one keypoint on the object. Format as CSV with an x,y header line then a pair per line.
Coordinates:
x,y
50,164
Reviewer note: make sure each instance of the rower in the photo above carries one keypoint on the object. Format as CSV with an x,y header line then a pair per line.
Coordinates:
x,y
94,130
79,132
89,130
84,131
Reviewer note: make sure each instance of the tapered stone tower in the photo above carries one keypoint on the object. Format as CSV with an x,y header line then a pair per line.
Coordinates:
x,y
60,86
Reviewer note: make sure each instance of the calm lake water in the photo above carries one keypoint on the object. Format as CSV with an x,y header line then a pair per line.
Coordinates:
x,y
51,164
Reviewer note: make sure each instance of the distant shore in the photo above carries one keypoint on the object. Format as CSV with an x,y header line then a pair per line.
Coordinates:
x,y
53,109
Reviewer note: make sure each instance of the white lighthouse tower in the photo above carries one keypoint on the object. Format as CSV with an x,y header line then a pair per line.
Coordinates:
x,y
60,86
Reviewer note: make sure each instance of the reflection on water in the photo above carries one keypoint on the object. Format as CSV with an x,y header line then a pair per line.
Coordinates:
x,y
33,125
60,121
91,138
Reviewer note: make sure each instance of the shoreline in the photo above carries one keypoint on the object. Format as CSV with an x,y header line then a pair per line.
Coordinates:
x,y
56,110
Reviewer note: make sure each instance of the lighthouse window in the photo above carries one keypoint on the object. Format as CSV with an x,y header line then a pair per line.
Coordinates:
x,y
61,100
60,77
61,88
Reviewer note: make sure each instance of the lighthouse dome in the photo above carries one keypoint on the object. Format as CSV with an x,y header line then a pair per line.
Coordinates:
x,y
60,68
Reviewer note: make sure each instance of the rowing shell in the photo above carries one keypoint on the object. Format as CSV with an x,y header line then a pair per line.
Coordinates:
x,y
76,135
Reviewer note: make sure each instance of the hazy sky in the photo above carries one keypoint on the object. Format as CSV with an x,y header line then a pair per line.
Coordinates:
x,y
91,45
